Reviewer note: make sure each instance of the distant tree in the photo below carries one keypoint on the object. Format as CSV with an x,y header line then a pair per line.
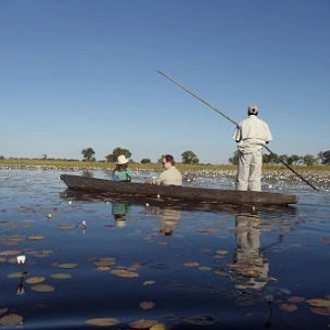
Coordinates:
x,y
88,154
320,156
145,161
289,160
44,156
270,158
293,159
2,157
117,152
296,159
110,158
283,158
234,160
121,151
309,160
189,157
326,157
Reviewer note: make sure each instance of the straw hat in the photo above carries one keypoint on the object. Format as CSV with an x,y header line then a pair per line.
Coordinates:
x,y
121,160
120,222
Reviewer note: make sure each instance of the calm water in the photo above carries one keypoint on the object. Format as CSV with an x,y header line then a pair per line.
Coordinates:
x,y
217,270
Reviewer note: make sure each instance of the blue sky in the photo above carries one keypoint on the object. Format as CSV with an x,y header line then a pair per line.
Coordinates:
x,y
77,74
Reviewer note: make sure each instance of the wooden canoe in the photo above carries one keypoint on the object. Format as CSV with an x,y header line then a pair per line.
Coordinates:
x,y
192,194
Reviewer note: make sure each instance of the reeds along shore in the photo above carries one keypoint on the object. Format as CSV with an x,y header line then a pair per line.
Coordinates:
x,y
67,164
319,175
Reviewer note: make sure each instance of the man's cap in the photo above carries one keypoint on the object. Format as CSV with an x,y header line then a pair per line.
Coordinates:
x,y
253,109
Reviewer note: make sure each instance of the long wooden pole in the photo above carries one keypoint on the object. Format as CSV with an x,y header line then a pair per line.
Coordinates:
x,y
232,121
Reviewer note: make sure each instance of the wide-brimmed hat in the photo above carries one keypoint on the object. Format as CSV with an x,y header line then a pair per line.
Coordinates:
x,y
120,222
121,160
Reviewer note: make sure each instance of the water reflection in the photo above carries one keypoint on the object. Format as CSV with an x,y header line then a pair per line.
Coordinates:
x,y
181,294
250,266
169,217
20,290
88,173
120,212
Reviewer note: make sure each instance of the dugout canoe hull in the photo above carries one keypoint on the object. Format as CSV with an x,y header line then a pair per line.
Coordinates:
x,y
192,194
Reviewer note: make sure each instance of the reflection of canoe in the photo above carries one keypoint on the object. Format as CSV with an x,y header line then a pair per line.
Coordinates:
x,y
198,195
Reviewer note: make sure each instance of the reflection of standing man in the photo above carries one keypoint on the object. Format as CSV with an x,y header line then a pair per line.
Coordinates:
x,y
250,265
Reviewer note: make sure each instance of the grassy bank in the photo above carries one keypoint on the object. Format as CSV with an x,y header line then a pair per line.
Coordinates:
x,y
61,164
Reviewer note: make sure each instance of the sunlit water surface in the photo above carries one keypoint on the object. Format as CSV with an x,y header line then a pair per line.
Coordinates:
x,y
90,260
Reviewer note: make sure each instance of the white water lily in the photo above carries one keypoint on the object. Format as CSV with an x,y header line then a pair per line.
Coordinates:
x,y
21,259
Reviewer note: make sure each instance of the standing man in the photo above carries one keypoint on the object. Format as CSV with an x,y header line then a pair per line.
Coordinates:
x,y
251,135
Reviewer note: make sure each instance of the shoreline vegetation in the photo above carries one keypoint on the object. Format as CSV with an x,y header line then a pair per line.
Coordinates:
x,y
317,175
101,165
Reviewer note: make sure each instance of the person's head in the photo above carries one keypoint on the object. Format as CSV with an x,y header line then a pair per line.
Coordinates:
x,y
167,161
121,162
166,231
120,220
253,110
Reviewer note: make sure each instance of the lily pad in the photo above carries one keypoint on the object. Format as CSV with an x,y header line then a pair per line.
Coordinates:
x,y
159,326
288,307
104,262
102,268
147,305
191,264
16,275
318,302
67,265
102,321
35,280
124,273
65,226
296,299
43,288
61,276
143,324
36,237
42,254
11,319
16,237
321,311
10,253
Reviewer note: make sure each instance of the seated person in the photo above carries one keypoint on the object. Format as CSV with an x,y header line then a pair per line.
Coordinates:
x,y
170,176
121,172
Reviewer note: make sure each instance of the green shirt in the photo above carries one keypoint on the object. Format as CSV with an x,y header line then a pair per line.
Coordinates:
x,y
125,175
